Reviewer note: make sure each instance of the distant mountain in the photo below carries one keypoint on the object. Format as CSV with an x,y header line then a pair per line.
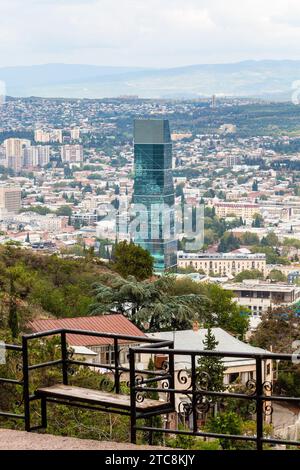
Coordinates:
x,y
264,79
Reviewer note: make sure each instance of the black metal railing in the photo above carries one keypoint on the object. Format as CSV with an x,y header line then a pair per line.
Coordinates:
x,y
177,380
13,381
198,398
115,369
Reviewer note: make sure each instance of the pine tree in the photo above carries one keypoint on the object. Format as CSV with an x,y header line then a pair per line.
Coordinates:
x,y
155,421
211,365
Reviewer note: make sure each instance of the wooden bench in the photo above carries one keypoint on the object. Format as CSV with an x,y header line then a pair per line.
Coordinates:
x,y
70,393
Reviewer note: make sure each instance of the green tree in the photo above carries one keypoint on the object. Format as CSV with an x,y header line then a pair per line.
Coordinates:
x,y
249,238
228,243
253,274
277,276
155,421
211,366
226,423
258,221
132,260
270,240
150,305
221,308
64,211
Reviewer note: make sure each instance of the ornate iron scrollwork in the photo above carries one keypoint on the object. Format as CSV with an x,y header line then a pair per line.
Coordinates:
x,y
251,387
70,353
268,409
203,380
202,404
267,387
106,384
184,378
139,397
71,370
185,407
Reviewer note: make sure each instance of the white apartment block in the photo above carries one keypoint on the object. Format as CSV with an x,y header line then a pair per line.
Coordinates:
x,y
245,211
75,133
223,264
259,296
72,153
34,156
45,137
10,198
14,153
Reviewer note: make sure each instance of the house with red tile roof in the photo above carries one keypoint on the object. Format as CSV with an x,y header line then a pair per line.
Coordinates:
x,y
103,347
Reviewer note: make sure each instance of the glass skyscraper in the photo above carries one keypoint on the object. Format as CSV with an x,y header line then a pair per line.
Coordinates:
x,y
154,191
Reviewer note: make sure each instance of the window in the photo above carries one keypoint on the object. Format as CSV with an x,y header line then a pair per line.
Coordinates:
x,y
233,377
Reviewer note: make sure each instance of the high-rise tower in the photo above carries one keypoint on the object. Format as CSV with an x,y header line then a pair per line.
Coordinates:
x,y
154,191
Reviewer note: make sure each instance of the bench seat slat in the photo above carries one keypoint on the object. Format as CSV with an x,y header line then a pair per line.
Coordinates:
x,y
96,397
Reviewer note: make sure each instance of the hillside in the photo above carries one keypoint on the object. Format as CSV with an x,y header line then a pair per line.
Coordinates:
x,y
264,79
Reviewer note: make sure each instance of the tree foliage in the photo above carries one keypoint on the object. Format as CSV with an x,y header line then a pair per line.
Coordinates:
x,y
132,260
149,304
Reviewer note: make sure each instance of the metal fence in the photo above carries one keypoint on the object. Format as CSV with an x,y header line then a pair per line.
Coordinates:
x,y
177,380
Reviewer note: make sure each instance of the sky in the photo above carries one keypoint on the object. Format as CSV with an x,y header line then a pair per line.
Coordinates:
x,y
147,33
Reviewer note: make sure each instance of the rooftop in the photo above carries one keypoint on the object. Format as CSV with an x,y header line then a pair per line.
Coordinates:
x,y
225,256
116,323
194,341
254,285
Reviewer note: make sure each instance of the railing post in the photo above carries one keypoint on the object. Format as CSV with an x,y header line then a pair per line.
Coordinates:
x,y
64,356
117,363
172,376
259,405
194,398
132,397
26,391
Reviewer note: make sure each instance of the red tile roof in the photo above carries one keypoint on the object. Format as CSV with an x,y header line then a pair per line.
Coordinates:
x,y
116,323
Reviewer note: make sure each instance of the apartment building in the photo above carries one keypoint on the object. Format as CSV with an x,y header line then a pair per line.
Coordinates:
x,y
223,264
44,137
237,209
259,296
14,153
34,156
10,198
72,153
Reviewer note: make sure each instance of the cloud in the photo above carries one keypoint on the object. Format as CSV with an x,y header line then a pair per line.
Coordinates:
x,y
149,33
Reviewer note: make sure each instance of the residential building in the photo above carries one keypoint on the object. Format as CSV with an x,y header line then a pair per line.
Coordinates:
x,y
72,153
34,156
223,264
154,190
103,347
243,210
47,136
75,133
259,296
14,153
236,369
10,198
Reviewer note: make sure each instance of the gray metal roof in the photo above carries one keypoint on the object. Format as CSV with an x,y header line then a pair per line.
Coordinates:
x,y
193,340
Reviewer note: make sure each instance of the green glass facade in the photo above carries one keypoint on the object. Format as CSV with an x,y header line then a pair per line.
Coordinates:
x,y
154,189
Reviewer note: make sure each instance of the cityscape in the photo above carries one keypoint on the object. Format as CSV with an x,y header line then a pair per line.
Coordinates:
x,y
150,241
